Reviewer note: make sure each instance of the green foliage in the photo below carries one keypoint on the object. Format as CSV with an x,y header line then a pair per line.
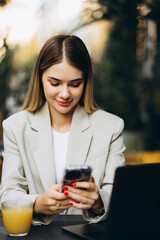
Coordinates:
x,y
14,78
5,74
120,86
150,87
3,3
116,76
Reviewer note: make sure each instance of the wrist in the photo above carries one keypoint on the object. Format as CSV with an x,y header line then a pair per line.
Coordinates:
x,y
98,205
96,213
36,206
97,209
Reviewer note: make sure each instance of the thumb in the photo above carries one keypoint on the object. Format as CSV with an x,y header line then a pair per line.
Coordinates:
x,y
92,179
56,187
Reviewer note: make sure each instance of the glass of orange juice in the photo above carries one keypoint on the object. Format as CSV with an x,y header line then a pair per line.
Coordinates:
x,y
17,216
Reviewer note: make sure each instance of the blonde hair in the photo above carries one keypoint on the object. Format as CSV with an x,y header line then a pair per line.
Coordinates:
x,y
52,53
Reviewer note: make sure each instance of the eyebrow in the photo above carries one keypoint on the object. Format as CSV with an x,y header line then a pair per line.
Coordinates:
x,y
59,80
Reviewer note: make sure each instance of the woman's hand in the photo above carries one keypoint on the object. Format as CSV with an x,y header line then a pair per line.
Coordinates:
x,y
51,202
84,195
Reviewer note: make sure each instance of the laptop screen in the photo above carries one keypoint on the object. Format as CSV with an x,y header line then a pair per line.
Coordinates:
x,y
135,202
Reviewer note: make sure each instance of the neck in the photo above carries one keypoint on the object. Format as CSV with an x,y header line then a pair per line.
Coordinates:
x,y
61,122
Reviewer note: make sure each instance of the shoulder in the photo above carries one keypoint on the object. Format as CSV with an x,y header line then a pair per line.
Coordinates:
x,y
18,119
103,116
106,121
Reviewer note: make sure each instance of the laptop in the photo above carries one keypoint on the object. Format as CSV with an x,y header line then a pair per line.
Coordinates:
x,y
134,211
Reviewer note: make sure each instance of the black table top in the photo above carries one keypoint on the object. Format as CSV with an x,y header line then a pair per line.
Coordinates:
x,y
49,232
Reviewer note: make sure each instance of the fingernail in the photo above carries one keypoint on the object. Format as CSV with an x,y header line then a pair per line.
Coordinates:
x,y
73,184
71,203
65,188
66,193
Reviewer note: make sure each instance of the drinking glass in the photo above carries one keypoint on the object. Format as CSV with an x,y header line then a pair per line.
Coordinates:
x,y
17,216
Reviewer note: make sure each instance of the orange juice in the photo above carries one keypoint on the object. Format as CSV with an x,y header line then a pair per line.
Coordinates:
x,y
17,219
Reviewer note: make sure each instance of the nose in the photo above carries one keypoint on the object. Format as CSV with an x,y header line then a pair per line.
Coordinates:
x,y
64,92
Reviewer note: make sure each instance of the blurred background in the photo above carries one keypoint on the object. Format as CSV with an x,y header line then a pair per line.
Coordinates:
x,y
123,39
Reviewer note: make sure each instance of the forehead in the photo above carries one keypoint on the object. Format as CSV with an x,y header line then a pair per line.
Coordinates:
x,y
63,70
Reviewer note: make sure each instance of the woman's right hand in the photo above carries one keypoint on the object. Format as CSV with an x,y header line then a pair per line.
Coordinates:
x,y
51,202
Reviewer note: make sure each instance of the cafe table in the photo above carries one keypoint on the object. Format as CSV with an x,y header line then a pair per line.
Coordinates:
x,y
50,232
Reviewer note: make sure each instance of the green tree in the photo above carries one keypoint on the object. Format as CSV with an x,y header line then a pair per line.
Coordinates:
x,y
120,86
150,87
4,2
5,73
116,76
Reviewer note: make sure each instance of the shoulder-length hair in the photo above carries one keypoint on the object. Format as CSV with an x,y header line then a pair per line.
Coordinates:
x,y
52,53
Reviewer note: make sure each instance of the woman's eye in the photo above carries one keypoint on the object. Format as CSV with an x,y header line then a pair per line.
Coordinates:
x,y
54,84
75,84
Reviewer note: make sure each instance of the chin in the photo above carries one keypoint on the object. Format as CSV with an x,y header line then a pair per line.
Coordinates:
x,y
64,110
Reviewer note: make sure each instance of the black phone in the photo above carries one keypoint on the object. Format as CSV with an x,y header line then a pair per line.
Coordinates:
x,y
76,174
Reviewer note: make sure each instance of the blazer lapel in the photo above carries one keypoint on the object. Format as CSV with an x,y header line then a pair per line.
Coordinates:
x,y
79,138
42,147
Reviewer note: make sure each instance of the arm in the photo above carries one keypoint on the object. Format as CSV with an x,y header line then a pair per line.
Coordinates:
x,y
15,183
114,159
98,194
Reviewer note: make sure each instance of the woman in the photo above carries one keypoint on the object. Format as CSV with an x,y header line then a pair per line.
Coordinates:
x,y
61,125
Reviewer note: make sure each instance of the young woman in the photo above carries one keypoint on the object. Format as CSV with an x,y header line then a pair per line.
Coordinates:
x,y
61,125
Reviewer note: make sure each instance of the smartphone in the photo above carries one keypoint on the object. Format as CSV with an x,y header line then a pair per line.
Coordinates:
x,y
76,174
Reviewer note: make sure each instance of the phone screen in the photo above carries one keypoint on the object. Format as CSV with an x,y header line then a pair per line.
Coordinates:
x,y
76,174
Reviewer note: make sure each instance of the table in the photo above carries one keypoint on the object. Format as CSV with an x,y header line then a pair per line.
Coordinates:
x,y
49,232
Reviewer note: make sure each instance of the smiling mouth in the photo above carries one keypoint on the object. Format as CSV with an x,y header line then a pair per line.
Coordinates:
x,y
64,103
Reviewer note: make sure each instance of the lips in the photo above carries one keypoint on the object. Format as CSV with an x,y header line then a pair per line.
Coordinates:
x,y
64,103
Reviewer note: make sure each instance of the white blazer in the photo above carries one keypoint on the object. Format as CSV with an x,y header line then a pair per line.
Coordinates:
x,y
28,165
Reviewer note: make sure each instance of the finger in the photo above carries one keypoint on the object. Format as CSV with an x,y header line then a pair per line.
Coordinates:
x,y
80,192
92,179
52,194
80,206
90,186
56,187
62,203
58,206
79,198
56,203
55,210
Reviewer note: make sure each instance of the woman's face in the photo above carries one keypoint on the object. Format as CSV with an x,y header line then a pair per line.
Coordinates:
x,y
63,87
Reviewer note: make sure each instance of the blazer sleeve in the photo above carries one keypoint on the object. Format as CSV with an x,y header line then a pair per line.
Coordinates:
x,y
115,158
14,183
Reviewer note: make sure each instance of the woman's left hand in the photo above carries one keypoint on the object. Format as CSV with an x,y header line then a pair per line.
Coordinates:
x,y
84,195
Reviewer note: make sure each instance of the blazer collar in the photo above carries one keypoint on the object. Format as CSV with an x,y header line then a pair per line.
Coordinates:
x,y
79,137
80,120
41,118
